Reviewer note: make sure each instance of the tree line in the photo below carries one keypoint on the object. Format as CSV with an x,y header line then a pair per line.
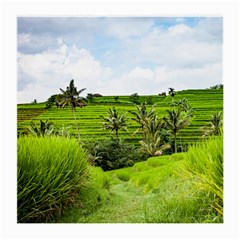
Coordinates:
x,y
157,132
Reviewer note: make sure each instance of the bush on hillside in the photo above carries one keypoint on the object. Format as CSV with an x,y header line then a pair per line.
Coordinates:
x,y
204,164
111,154
51,173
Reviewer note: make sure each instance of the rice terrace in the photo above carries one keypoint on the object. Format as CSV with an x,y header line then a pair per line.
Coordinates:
x,y
138,148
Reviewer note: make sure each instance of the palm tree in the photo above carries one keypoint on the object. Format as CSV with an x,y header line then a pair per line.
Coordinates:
x,y
71,97
175,121
184,105
214,126
171,92
114,122
153,144
142,116
44,129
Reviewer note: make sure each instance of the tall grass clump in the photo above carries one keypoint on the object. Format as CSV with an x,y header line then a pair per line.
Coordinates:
x,y
204,164
92,198
51,172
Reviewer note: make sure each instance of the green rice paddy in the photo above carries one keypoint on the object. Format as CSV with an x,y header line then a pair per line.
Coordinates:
x,y
204,102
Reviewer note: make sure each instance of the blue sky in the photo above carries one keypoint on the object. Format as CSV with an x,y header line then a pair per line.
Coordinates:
x,y
118,55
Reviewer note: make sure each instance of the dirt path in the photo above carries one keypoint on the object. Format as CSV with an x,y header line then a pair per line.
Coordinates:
x,y
126,205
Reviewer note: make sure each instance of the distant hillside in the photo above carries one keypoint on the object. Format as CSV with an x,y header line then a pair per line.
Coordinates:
x,y
205,103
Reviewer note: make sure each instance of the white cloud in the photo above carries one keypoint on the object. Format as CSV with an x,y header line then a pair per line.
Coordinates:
x,y
180,20
145,81
178,29
41,75
127,27
125,55
176,46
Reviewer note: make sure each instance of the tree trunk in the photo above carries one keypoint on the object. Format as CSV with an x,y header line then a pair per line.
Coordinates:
x,y
175,142
74,114
117,135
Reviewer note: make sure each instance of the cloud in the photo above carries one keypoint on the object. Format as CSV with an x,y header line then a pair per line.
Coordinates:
x,y
128,27
180,20
41,33
176,46
145,81
117,55
178,29
53,69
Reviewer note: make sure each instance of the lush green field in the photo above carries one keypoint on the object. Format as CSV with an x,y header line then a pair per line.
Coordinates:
x,y
173,188
205,103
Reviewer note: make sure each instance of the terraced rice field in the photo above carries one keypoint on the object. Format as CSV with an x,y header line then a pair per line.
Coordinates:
x,y
205,103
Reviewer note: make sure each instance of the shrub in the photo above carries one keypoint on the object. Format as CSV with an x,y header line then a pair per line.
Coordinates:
x,y
204,164
92,197
134,98
111,154
51,173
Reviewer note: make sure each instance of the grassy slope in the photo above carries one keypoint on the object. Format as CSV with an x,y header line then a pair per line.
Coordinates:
x,y
205,102
149,192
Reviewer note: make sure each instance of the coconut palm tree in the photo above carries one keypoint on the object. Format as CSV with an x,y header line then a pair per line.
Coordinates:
x,y
184,105
142,116
72,98
114,122
171,92
175,121
44,129
154,144
214,126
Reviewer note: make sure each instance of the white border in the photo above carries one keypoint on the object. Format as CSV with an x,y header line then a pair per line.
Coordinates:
x,y
10,11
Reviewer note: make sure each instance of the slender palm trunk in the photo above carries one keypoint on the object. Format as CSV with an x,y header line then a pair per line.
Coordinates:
x,y
117,135
175,142
143,133
74,114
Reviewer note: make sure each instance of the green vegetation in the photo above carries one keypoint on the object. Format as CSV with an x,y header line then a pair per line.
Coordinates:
x,y
167,189
204,102
44,129
204,163
110,178
175,121
214,126
153,143
142,116
51,173
113,154
71,97
114,122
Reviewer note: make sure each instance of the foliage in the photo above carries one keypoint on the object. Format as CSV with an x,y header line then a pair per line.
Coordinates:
x,y
44,129
171,92
153,143
184,105
113,154
204,102
51,173
134,98
149,100
218,86
175,121
151,191
116,98
34,101
71,97
214,127
115,122
52,100
142,117
204,164
63,131
92,197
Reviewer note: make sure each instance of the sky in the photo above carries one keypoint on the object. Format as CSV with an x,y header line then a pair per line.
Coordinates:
x,y
117,55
